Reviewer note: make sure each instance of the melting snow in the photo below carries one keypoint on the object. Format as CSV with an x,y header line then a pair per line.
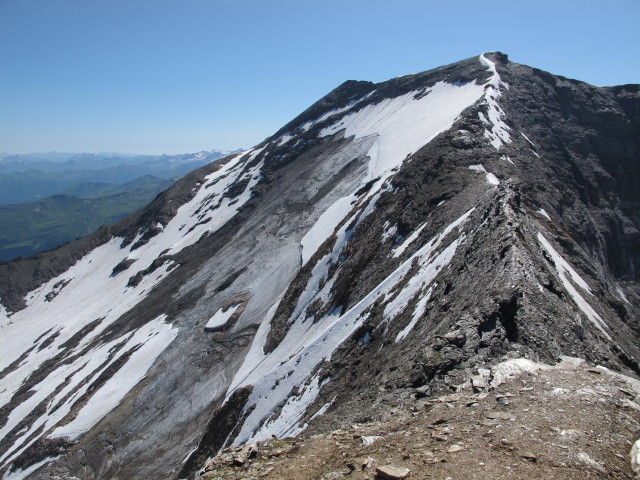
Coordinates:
x,y
622,296
418,312
544,214
221,317
399,250
568,275
95,296
309,342
499,133
406,123
491,178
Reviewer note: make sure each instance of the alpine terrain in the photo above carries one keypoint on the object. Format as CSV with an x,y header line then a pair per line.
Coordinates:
x,y
413,238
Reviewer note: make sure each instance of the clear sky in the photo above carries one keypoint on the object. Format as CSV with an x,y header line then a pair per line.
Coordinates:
x,y
177,76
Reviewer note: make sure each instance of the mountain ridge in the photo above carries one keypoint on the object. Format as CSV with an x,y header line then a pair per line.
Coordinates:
x,y
436,224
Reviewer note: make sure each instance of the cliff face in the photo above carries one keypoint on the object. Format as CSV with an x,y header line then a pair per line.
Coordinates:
x,y
394,236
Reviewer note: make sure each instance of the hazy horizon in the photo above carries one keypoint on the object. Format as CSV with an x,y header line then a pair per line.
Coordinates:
x,y
169,76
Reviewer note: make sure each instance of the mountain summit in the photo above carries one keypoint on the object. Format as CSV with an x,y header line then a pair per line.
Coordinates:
x,y
394,237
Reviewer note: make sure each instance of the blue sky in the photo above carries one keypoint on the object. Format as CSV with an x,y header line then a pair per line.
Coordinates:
x,y
177,76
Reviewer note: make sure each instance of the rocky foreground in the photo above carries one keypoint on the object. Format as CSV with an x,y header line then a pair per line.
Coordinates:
x,y
519,420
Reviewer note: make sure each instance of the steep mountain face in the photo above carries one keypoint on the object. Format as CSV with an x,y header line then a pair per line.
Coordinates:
x,y
394,236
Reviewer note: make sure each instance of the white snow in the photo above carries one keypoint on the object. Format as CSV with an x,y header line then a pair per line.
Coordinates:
x,y
87,369
568,276
544,214
429,268
404,124
94,294
308,342
527,139
509,369
22,474
150,340
221,317
399,250
283,139
324,227
506,158
492,179
336,111
418,312
390,232
286,424
498,135
622,296
635,458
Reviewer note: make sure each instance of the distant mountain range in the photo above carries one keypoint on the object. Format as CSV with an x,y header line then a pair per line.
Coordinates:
x,y
32,176
48,199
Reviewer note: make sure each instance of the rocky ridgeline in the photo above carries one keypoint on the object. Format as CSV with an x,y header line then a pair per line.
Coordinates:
x,y
393,241
517,420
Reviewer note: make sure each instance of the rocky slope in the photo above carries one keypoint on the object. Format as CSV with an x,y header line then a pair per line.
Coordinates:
x,y
527,421
394,235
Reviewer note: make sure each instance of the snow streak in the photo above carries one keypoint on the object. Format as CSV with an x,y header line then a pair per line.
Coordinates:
x,y
309,342
569,277
60,334
497,131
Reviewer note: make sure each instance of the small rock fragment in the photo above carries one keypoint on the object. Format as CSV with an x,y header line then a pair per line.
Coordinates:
x,y
369,439
455,448
391,472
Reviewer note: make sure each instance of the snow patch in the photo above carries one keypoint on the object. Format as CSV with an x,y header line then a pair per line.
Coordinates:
x,y
221,317
569,277
325,226
399,250
406,123
492,179
308,342
635,458
418,312
389,232
622,296
21,474
527,139
498,135
286,424
149,341
544,214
